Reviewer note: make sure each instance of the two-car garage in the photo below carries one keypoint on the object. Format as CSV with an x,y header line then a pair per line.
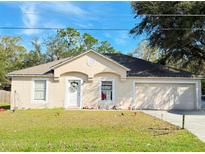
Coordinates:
x,y
165,96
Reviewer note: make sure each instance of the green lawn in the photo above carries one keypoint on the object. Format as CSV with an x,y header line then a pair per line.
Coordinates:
x,y
59,130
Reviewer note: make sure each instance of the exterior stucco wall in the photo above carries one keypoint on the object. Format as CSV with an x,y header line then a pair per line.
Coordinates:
x,y
124,91
22,91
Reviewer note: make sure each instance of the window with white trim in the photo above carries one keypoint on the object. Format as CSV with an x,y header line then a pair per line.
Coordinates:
x,y
106,90
40,90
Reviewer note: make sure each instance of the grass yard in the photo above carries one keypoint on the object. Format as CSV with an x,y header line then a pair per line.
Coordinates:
x,y
59,130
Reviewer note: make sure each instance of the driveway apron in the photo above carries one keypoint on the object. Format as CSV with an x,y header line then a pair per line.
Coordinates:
x,y
194,120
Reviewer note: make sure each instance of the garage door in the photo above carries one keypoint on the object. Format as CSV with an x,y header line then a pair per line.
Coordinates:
x,y
165,96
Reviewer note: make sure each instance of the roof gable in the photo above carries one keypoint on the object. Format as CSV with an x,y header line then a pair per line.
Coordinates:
x,y
84,53
91,64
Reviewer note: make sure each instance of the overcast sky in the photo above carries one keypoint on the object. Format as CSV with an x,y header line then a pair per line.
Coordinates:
x,y
93,15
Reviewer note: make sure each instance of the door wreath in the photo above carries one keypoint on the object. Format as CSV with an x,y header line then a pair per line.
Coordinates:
x,y
73,86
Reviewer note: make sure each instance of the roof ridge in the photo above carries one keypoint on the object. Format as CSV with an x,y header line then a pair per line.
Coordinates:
x,y
62,60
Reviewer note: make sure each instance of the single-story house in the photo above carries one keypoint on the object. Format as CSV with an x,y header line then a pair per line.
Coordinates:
x,y
104,81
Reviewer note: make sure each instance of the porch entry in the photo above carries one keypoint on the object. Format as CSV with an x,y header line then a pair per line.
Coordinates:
x,y
73,93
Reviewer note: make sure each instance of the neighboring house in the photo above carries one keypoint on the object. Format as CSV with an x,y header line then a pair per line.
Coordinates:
x,y
93,80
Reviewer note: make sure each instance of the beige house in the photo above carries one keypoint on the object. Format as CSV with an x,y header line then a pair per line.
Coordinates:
x,y
108,81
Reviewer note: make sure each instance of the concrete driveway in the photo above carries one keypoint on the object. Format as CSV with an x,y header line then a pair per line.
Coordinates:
x,y
194,120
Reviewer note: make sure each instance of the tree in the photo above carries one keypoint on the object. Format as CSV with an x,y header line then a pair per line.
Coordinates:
x,y
11,57
55,48
145,52
105,47
3,80
72,40
181,39
89,42
35,56
69,42
66,43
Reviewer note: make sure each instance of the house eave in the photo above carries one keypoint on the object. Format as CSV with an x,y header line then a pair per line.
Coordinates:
x,y
29,75
161,77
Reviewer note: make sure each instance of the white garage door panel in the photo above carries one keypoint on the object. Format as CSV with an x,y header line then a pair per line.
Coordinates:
x,y
185,97
165,96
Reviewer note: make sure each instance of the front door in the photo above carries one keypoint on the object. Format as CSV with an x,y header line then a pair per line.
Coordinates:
x,y
74,87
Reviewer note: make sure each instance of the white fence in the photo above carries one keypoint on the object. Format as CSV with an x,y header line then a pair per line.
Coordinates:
x,y
5,97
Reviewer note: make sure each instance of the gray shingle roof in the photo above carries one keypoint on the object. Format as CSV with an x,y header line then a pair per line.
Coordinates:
x,y
142,68
138,68
43,69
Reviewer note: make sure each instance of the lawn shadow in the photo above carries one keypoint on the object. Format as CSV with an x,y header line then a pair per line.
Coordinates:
x,y
158,131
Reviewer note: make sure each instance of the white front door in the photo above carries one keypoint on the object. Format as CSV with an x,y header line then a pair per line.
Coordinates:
x,y
74,88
